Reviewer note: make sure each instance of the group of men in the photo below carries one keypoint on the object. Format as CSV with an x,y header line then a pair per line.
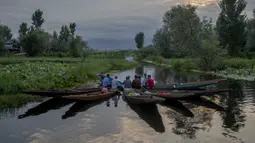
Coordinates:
x,y
137,83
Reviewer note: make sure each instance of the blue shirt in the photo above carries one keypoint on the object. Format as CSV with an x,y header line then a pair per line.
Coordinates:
x,y
106,82
110,79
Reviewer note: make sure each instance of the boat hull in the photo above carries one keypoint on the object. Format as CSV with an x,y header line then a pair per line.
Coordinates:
x,y
59,93
186,94
143,99
187,86
92,96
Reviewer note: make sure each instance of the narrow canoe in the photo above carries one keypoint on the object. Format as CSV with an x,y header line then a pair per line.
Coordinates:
x,y
173,95
142,99
94,96
54,93
186,94
188,85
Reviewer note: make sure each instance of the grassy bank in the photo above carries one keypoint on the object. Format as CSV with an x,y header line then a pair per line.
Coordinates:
x,y
43,74
236,68
15,60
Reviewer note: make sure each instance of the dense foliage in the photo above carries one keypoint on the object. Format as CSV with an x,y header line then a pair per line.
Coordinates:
x,y
34,41
231,26
139,40
185,35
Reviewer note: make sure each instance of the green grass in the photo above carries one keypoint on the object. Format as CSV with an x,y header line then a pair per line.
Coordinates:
x,y
43,75
15,60
235,66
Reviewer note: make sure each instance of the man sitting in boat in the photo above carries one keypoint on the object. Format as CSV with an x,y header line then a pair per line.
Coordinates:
x,y
127,82
110,79
144,80
150,82
106,82
101,78
136,83
116,84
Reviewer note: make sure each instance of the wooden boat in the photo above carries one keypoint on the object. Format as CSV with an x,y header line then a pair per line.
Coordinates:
x,y
187,85
142,99
54,93
186,94
93,96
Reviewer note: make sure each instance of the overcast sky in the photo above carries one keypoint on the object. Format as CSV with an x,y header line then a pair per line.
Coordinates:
x,y
104,23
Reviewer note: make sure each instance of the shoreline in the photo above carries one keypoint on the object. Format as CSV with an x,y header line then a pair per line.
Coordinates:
x,y
230,76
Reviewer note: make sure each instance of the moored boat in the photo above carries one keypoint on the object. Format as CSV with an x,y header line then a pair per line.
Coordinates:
x,y
187,94
187,85
93,96
55,93
141,98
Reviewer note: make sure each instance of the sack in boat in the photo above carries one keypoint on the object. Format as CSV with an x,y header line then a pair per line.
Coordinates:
x,y
104,90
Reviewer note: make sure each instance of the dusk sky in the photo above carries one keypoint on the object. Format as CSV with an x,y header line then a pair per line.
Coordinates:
x,y
104,23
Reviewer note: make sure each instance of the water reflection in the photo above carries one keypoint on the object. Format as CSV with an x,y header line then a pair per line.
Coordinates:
x,y
188,127
234,117
51,104
178,107
186,121
150,114
201,101
168,76
139,71
8,112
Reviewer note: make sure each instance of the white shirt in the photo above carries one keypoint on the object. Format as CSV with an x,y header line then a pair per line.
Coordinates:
x,y
143,81
115,83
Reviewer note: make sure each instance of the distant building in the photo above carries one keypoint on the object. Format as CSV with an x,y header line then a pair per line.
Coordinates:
x,y
11,47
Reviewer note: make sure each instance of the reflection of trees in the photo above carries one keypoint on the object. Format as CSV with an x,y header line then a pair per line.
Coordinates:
x,y
234,116
4,113
250,90
164,75
186,126
168,75
139,70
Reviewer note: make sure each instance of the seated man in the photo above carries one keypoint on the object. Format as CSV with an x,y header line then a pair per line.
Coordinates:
x,y
110,80
106,82
127,83
150,82
136,83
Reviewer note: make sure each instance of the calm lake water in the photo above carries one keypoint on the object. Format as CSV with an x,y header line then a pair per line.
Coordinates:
x,y
114,121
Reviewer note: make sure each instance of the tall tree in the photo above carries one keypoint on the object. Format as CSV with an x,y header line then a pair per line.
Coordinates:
x,y
77,46
250,45
23,29
64,33
33,43
37,18
183,25
5,32
55,35
139,40
231,26
161,40
54,42
72,28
